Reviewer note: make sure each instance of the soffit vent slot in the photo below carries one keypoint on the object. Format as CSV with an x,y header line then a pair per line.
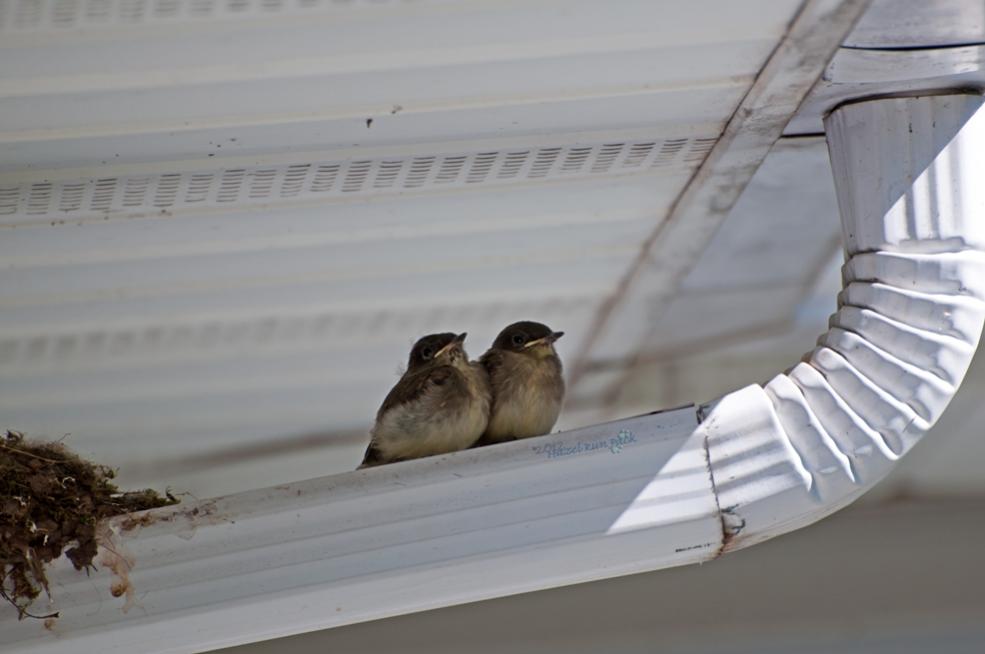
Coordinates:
x,y
59,16
191,190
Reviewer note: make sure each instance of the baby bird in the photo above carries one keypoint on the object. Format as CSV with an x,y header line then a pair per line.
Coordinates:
x,y
441,404
527,386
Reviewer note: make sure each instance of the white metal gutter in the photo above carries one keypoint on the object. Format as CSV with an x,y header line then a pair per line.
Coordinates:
x,y
638,494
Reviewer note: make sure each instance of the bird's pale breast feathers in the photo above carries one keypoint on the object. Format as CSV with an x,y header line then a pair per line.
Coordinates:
x,y
435,411
527,394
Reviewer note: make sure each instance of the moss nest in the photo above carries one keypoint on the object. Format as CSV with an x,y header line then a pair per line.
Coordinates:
x,y
51,501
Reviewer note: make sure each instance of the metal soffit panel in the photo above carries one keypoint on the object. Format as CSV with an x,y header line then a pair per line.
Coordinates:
x,y
216,238
570,507
896,47
672,248
770,470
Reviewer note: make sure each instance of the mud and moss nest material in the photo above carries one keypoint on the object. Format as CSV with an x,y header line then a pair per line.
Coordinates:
x,y
52,501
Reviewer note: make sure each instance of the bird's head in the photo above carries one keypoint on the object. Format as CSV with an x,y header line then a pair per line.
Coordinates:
x,y
437,348
530,338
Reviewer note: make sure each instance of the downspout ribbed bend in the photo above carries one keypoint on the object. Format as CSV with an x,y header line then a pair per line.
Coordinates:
x,y
908,172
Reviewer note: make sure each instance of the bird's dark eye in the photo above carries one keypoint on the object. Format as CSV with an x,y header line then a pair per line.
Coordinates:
x,y
518,339
427,353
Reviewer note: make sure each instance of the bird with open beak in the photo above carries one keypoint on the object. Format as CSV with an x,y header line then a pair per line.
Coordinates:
x,y
527,386
440,404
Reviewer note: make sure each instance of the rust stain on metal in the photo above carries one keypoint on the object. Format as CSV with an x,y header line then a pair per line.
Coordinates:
x,y
709,425
731,521
732,526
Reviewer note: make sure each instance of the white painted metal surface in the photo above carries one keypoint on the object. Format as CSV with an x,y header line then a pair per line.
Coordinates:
x,y
406,537
672,248
902,24
223,224
901,46
213,237
220,345
909,322
857,73
649,492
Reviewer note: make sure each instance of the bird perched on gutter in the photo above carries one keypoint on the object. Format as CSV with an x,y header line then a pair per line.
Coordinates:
x,y
527,386
440,404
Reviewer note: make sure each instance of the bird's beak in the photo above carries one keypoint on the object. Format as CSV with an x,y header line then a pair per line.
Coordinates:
x,y
546,340
456,343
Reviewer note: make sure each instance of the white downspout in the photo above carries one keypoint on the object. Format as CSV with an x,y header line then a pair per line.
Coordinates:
x,y
910,178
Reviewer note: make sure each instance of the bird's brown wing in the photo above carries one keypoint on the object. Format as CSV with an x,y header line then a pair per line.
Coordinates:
x,y
412,387
372,457
492,361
